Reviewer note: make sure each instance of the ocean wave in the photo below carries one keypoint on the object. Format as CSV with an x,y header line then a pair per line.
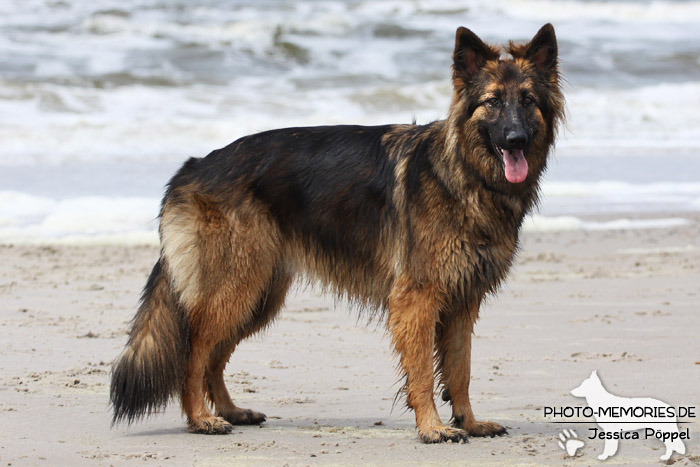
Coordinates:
x,y
146,83
538,223
35,217
644,118
113,219
685,12
48,123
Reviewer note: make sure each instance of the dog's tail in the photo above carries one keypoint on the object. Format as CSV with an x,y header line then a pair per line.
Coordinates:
x,y
151,369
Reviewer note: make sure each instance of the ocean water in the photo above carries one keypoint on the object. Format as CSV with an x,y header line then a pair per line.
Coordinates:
x,y
102,100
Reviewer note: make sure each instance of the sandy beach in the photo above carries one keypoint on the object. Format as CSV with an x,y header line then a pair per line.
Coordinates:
x,y
104,101
623,302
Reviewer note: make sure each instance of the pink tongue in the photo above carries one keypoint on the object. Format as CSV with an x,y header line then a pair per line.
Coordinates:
x,y
516,165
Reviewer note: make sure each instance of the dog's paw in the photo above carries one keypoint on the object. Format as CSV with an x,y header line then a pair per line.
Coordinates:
x,y
482,429
239,416
210,426
442,434
570,443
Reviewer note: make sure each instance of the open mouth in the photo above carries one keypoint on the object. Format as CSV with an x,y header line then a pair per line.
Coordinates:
x,y
514,163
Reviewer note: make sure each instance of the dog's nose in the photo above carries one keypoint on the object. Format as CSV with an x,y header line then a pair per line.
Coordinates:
x,y
516,138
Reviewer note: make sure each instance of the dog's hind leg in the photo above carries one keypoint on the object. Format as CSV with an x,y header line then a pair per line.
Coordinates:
x,y
219,395
675,445
225,323
413,310
454,345
199,418
269,303
222,258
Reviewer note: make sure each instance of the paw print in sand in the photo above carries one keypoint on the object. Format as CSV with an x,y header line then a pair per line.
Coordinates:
x,y
570,442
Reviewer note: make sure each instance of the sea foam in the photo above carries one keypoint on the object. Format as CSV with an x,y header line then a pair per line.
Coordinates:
x,y
133,220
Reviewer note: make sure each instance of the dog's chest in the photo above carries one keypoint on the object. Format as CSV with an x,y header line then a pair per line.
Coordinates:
x,y
477,251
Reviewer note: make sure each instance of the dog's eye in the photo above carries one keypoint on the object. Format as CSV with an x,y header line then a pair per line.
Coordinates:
x,y
527,100
494,102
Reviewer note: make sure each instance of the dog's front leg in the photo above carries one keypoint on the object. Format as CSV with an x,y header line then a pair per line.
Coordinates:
x,y
454,348
413,311
609,449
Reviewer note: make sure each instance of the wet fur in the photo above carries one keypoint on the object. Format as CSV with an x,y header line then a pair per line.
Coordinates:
x,y
416,222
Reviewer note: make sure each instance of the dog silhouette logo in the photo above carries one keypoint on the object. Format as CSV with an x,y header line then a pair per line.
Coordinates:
x,y
624,417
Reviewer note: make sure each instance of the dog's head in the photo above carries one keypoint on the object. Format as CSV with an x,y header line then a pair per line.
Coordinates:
x,y
506,105
589,386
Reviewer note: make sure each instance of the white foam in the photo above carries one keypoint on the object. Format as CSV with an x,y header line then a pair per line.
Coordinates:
x,y
133,220
635,224
31,219
625,11
99,214
628,121
539,223
65,121
67,124
19,208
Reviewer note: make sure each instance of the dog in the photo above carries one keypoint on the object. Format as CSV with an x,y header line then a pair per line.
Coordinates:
x,y
614,427
416,222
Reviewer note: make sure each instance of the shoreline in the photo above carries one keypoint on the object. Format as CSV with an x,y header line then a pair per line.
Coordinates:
x,y
534,223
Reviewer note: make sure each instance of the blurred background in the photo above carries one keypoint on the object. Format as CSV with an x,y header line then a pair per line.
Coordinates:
x,y
102,100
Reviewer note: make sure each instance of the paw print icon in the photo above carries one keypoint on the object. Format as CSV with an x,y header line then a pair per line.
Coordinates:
x,y
569,442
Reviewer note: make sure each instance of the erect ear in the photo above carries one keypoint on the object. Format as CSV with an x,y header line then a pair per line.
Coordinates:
x,y
542,50
470,53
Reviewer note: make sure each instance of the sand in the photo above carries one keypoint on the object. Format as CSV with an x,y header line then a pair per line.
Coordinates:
x,y
623,302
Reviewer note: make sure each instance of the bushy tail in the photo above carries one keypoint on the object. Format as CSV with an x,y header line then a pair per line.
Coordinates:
x,y
151,369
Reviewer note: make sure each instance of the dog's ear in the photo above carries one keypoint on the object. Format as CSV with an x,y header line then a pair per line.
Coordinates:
x,y
542,50
469,55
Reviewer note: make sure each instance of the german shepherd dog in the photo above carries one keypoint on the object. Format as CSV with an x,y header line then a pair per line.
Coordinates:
x,y
416,222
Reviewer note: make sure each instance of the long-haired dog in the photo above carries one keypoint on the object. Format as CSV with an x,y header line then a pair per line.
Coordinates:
x,y
418,222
